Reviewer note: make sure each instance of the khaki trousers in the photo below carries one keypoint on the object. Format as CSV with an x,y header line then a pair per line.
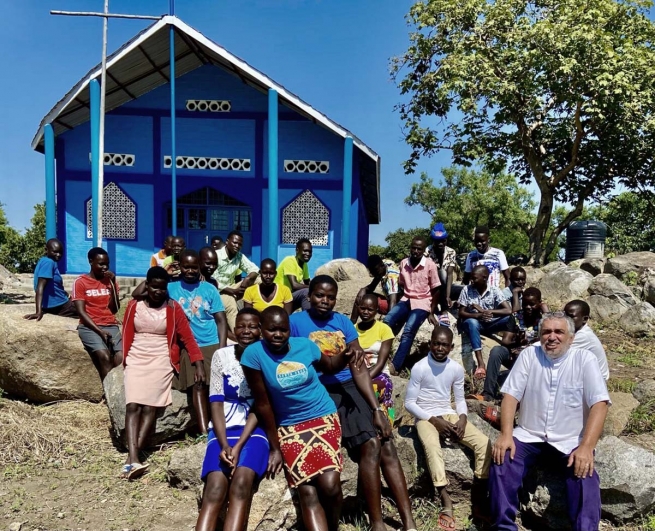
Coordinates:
x,y
232,306
473,439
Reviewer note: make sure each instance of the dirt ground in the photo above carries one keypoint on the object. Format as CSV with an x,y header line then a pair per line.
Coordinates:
x,y
61,471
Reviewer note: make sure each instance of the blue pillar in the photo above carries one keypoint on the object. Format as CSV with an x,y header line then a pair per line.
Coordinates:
x,y
273,200
94,89
173,150
50,205
347,196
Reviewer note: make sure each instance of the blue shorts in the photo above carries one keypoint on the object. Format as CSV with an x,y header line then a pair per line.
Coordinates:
x,y
254,454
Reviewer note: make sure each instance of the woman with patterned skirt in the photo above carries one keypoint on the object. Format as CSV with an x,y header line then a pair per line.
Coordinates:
x,y
298,415
237,449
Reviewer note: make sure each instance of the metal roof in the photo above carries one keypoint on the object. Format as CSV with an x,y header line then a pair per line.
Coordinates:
x,y
143,64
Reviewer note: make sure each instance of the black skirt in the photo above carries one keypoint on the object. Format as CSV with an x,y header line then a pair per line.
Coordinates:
x,y
354,413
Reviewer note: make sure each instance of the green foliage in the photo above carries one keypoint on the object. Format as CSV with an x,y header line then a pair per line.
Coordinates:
x,y
642,419
399,240
20,253
560,92
630,222
466,198
376,249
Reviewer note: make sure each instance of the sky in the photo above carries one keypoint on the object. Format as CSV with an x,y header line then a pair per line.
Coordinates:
x,y
332,53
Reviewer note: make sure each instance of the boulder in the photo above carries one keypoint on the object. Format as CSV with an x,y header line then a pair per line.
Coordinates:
x,y
610,298
620,266
595,266
345,269
647,283
639,320
44,361
618,415
575,264
533,275
172,422
644,391
564,284
553,266
403,417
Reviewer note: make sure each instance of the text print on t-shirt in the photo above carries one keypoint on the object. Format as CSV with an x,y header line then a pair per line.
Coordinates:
x,y
97,292
330,343
291,374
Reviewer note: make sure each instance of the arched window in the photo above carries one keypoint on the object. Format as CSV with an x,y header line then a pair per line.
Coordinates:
x,y
118,215
305,217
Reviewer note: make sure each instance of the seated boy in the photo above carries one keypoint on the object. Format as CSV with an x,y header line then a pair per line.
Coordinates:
x,y
514,292
428,399
482,308
494,259
385,274
522,331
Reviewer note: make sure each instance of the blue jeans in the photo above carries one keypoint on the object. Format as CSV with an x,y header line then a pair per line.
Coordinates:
x,y
402,314
475,327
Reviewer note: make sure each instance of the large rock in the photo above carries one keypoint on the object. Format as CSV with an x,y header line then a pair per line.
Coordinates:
x,y
553,266
345,269
172,422
44,361
595,266
620,266
644,391
647,284
639,320
403,417
623,404
564,284
533,275
610,298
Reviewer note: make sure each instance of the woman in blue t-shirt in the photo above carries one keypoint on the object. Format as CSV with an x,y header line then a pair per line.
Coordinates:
x,y
366,432
298,416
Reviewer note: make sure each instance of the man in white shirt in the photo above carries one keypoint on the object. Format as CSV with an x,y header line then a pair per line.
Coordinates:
x,y
428,399
584,336
564,403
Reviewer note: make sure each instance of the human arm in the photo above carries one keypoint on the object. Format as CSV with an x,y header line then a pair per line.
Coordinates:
x,y
506,275
582,458
365,387
516,299
506,440
288,307
40,288
249,280
354,313
80,306
353,353
221,326
248,429
264,412
450,275
295,285
433,306
247,304
501,310
383,357
185,336
217,412
140,292
114,301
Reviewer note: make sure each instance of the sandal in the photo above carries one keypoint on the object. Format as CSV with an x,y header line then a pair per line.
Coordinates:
x,y
492,415
480,373
126,470
137,471
444,320
446,522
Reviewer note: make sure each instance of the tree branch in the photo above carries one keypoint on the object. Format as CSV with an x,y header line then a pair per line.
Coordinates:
x,y
579,135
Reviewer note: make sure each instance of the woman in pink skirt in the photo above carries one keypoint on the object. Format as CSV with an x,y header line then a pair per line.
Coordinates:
x,y
152,329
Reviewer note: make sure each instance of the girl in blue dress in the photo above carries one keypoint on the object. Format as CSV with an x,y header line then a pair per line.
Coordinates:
x,y
237,449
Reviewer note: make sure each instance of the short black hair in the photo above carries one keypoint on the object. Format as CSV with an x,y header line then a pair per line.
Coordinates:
x,y
443,330
370,297
481,229
267,261
157,273
373,261
53,240
216,239
235,233
532,292
480,268
273,311
206,249
95,251
423,239
584,307
303,241
178,237
322,279
517,269
188,253
249,311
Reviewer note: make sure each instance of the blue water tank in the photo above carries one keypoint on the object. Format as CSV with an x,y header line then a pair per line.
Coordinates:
x,y
585,239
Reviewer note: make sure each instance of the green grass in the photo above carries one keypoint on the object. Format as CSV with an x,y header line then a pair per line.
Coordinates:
x,y
642,420
632,357
621,385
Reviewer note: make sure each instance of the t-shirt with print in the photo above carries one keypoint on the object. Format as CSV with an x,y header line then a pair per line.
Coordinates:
x,y
495,261
517,324
254,296
389,282
449,257
200,301
97,295
228,385
371,341
54,293
289,266
292,381
489,300
330,335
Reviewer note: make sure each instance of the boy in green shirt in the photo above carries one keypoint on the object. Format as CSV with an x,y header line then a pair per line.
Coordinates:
x,y
294,274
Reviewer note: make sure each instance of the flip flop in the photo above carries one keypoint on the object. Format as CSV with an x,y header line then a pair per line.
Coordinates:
x,y
446,522
137,471
126,470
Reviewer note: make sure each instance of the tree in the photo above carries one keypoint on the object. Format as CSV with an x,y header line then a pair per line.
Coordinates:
x,y
630,222
469,198
399,240
10,242
20,253
558,91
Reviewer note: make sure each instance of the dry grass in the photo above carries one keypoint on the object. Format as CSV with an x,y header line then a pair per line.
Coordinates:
x,y
51,433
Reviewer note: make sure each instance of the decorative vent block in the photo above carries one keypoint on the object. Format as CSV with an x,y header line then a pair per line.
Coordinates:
x,y
306,166
208,163
118,159
209,105
305,217
118,215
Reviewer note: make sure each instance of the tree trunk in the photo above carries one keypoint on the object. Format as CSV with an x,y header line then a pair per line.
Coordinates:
x,y
538,232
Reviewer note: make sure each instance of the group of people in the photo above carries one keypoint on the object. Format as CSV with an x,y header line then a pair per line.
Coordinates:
x,y
279,381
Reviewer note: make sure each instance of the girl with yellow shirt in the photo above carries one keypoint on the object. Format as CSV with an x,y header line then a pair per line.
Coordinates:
x,y
268,293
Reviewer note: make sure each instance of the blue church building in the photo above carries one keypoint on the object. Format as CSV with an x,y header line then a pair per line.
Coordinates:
x,y
199,149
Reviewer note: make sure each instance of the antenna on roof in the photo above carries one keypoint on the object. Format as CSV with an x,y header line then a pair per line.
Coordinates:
x,y
98,135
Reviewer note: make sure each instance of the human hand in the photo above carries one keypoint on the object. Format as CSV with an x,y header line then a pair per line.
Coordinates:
x,y
381,424
487,315
34,316
459,427
173,268
444,427
106,336
433,320
199,375
500,447
226,456
477,308
356,354
449,302
582,459
274,463
517,289
110,275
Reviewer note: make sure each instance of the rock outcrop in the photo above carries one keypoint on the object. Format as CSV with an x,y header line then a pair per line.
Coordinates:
x,y
610,298
562,284
620,266
345,269
172,422
44,361
595,266
639,320
623,404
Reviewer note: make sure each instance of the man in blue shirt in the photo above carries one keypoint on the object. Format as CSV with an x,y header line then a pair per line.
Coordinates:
x,y
51,297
